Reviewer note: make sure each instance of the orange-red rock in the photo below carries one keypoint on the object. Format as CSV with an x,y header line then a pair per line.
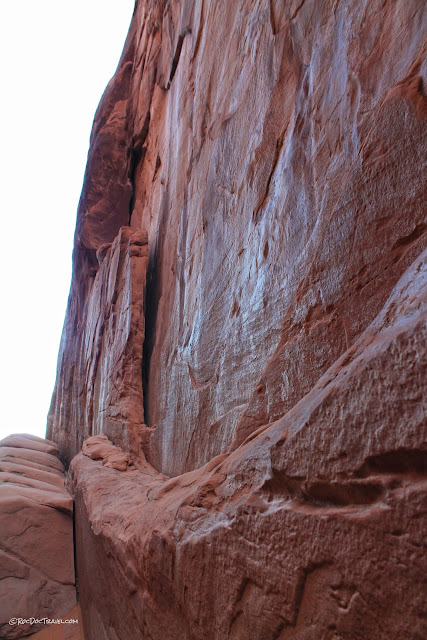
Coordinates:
x,y
255,191
100,448
313,528
276,158
36,535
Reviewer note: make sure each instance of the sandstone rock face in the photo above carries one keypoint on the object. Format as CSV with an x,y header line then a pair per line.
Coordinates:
x,y
274,153
246,316
100,384
36,535
313,528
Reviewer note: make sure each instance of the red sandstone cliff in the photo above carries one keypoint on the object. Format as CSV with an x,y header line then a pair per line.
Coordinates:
x,y
247,316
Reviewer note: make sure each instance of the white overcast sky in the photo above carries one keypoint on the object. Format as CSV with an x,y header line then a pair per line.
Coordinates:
x,y
56,60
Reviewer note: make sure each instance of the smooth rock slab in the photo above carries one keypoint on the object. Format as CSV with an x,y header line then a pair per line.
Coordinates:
x,y
36,535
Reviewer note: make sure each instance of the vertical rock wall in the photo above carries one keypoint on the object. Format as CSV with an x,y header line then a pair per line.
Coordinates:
x,y
254,195
313,528
275,155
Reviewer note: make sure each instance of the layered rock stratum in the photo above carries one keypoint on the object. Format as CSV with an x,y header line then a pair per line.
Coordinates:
x,y
36,536
241,377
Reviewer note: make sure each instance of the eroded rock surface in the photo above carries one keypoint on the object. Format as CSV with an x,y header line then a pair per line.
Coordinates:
x,y
105,372
36,535
247,318
275,156
101,448
313,528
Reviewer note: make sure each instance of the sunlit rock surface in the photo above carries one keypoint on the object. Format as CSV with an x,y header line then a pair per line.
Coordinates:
x,y
248,284
36,535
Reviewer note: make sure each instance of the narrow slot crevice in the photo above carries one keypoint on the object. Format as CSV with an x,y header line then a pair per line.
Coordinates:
x,y
272,19
136,158
279,145
151,307
76,580
177,55
151,304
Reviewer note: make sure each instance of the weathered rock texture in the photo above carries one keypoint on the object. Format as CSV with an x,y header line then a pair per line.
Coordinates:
x,y
254,194
313,528
36,535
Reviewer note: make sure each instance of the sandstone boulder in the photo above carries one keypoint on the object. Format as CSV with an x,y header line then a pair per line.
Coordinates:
x,y
36,535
